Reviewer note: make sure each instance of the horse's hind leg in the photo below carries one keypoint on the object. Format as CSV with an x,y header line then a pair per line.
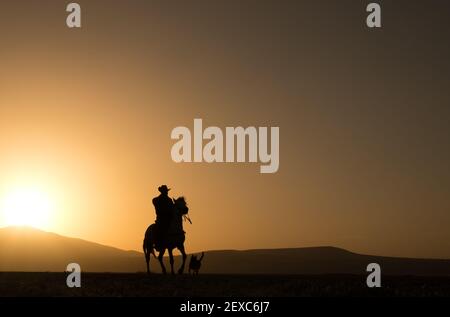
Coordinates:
x,y
160,259
183,253
147,256
147,259
171,260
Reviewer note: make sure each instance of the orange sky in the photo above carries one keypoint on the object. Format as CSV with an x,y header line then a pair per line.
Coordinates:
x,y
86,116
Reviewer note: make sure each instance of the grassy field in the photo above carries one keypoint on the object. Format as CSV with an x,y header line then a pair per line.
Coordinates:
x,y
124,285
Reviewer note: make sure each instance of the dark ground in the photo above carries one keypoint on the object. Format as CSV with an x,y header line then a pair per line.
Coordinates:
x,y
113,284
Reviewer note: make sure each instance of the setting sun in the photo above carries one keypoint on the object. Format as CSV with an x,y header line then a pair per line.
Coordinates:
x,y
26,207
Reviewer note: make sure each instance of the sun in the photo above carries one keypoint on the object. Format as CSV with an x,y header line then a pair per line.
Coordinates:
x,y
26,207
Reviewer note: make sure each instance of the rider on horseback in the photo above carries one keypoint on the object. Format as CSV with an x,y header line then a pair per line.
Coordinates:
x,y
164,212
167,232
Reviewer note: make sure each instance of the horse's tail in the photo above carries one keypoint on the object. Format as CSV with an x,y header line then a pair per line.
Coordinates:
x,y
148,242
144,246
152,250
203,254
148,249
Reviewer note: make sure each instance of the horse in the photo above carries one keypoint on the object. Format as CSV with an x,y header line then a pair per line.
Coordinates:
x,y
174,239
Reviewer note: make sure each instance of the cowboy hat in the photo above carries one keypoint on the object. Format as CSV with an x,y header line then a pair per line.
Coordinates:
x,y
163,188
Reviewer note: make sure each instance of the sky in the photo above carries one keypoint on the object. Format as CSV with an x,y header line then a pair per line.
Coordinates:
x,y
86,117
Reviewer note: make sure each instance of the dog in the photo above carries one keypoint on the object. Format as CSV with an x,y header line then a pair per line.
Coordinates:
x,y
195,264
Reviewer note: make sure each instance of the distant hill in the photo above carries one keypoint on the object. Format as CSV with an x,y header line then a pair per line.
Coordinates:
x,y
26,249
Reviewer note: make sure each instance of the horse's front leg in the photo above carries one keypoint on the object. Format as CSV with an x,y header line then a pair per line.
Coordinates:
x,y
183,253
171,260
160,259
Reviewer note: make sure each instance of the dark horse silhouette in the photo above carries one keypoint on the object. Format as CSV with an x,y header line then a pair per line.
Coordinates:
x,y
174,239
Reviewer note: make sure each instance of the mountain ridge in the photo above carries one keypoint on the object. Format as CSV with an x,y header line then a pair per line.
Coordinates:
x,y
30,249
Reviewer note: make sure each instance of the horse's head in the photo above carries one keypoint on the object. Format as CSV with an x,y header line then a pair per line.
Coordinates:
x,y
181,205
